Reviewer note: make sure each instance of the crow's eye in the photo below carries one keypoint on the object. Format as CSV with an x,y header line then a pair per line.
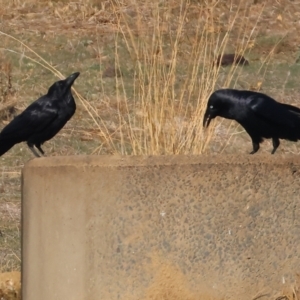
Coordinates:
x,y
211,106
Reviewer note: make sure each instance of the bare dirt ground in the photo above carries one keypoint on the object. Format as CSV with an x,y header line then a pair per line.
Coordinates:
x,y
92,37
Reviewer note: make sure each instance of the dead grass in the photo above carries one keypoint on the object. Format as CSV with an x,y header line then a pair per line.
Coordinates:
x,y
164,52
10,286
172,74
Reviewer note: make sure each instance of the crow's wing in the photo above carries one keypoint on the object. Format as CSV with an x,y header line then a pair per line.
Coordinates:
x,y
291,108
35,118
274,112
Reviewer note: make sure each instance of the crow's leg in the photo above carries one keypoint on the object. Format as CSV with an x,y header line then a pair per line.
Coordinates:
x,y
40,149
31,147
255,145
276,144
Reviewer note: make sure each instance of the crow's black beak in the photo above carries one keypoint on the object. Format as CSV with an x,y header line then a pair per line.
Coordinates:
x,y
206,120
70,80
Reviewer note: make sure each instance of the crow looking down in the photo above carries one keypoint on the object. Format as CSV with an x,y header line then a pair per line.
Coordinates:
x,y
42,119
260,115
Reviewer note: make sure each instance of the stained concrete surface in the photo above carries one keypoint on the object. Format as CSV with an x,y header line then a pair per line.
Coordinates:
x,y
168,227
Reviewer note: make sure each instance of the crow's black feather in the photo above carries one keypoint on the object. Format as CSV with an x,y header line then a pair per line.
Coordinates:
x,y
260,115
42,119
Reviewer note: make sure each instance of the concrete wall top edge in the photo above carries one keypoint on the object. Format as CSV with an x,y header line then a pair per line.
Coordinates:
x,y
118,160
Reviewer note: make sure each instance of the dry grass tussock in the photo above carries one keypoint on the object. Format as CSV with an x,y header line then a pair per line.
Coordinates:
x,y
10,286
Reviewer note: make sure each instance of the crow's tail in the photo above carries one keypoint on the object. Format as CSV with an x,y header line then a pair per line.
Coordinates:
x,y
5,146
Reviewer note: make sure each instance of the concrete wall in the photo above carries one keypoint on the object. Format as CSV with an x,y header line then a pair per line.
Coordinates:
x,y
180,227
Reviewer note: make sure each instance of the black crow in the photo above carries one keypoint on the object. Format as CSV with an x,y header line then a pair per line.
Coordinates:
x,y
42,119
260,115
